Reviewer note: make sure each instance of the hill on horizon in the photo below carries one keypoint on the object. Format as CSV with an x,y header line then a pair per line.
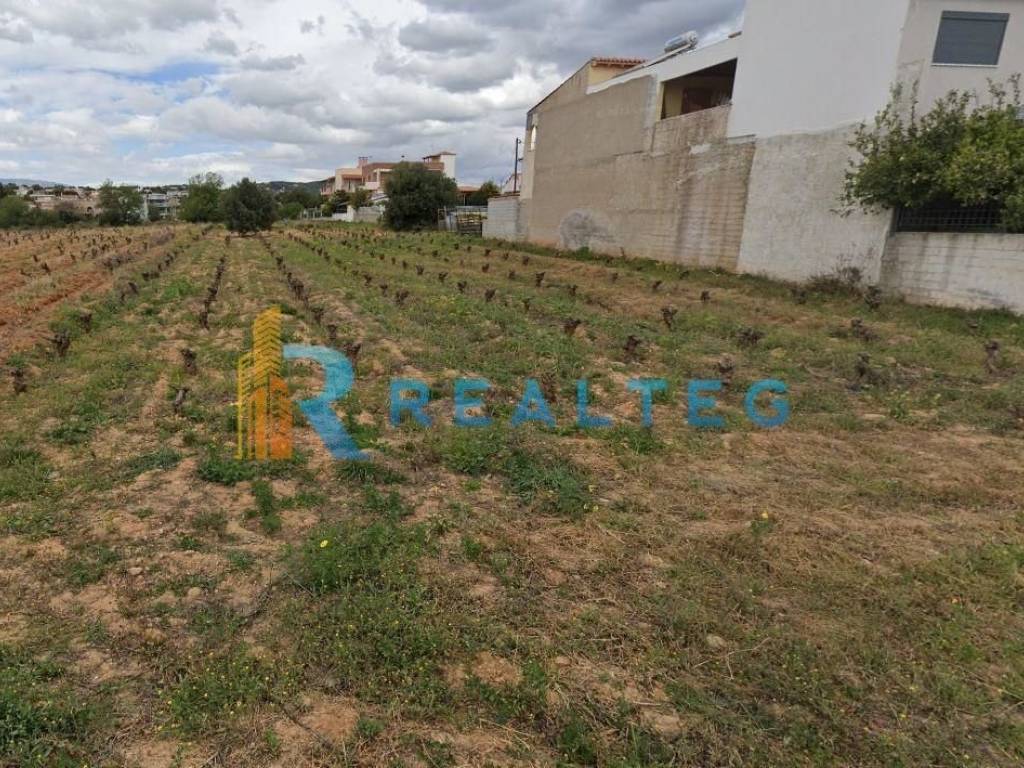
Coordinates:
x,y
30,182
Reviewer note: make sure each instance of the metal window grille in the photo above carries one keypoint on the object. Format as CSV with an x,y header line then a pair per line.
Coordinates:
x,y
949,217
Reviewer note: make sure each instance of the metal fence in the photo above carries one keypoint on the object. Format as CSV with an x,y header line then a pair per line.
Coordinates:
x,y
949,217
464,220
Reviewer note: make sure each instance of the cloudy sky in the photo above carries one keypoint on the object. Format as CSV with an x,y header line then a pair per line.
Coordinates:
x,y
156,90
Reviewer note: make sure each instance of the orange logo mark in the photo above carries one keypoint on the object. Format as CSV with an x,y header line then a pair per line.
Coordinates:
x,y
264,407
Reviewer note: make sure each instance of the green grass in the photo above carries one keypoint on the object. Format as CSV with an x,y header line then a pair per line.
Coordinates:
x,y
162,459
266,506
550,484
473,452
216,468
24,473
363,472
375,624
845,590
218,691
525,702
88,563
44,719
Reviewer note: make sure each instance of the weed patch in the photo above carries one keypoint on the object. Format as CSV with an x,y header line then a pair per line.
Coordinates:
x,y
24,473
44,721
374,624
218,690
266,506
550,484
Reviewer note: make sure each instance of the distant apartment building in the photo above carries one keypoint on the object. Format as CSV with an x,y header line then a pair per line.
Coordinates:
x,y
162,202
732,155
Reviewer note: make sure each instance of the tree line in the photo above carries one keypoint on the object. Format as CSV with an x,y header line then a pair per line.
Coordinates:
x,y
414,197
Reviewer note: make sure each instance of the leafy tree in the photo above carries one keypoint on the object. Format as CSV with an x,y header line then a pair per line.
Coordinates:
x,y
335,202
18,212
121,205
360,198
487,190
415,195
306,197
988,163
290,210
247,207
13,211
67,213
203,200
959,151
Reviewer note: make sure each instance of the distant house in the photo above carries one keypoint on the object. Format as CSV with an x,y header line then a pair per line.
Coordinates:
x,y
83,201
163,202
465,190
445,159
372,175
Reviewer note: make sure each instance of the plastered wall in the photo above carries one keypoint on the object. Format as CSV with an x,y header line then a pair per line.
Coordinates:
x,y
984,271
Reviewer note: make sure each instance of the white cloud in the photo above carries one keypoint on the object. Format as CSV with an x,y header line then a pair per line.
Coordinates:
x,y
15,31
308,26
218,42
153,91
437,34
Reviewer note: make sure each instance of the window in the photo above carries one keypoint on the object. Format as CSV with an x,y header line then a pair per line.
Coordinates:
x,y
533,138
698,91
970,38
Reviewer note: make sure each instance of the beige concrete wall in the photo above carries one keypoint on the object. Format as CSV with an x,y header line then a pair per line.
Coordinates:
x,y
791,230
956,270
936,80
504,221
606,175
369,214
573,165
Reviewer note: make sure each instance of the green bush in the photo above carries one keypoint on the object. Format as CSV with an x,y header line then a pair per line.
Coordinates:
x,y
13,211
415,195
18,212
247,207
203,200
290,210
121,205
960,151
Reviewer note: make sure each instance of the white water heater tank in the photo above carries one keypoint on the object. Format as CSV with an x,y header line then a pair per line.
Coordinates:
x,y
684,42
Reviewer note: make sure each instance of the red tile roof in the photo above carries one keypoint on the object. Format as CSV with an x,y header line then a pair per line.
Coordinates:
x,y
614,62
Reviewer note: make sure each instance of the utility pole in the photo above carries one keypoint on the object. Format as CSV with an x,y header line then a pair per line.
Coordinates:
x,y
515,172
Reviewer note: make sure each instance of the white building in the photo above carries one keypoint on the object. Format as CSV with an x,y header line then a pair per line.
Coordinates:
x,y
838,62
733,155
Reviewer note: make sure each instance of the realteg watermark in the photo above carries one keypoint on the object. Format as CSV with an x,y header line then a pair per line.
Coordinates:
x,y
264,405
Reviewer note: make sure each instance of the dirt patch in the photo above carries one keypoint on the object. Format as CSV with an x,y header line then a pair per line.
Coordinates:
x,y
324,721
495,670
162,754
